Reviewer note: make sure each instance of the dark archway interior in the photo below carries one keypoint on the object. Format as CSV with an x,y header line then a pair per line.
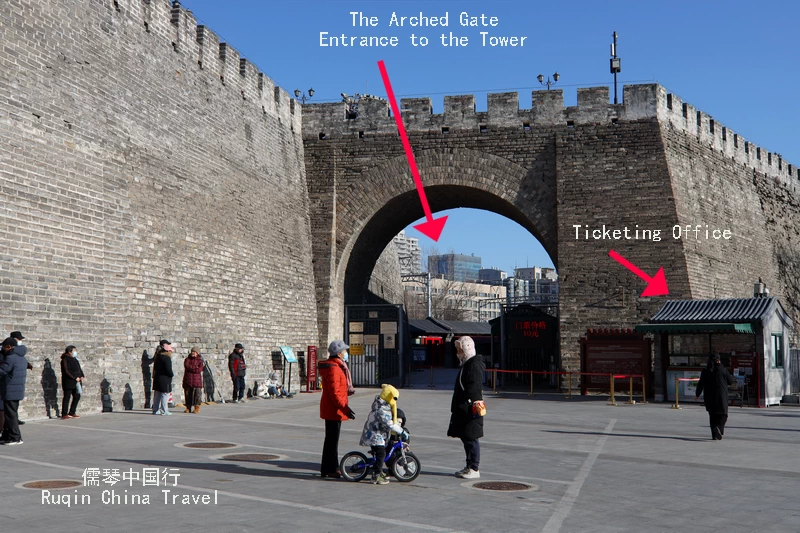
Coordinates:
x,y
401,211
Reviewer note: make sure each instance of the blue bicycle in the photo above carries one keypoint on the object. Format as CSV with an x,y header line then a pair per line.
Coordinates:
x,y
400,460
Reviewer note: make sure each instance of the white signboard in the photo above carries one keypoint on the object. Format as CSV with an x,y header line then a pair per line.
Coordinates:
x,y
388,328
388,341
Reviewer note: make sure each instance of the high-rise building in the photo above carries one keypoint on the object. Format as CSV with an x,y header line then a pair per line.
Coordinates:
x,y
517,289
455,267
534,273
542,285
409,253
492,276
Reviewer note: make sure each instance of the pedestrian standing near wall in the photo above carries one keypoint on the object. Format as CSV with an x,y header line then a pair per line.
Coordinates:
x,y
713,384
333,406
18,335
193,381
238,370
71,382
468,390
13,372
162,379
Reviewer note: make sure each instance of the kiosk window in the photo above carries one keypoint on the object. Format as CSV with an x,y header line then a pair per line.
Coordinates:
x,y
777,351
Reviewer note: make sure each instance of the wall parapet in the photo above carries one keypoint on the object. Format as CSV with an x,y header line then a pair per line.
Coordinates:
x,y
503,111
648,101
681,116
177,27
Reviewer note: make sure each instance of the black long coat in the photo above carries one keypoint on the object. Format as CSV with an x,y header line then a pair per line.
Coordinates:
x,y
714,383
70,370
467,390
162,372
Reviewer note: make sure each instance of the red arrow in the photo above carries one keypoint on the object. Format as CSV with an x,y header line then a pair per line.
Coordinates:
x,y
656,286
431,227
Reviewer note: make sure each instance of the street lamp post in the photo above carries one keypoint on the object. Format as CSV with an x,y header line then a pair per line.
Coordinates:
x,y
548,83
303,98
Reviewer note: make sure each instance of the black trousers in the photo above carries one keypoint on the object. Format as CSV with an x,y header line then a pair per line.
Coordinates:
x,y
717,421
472,447
239,387
11,424
66,408
330,449
380,456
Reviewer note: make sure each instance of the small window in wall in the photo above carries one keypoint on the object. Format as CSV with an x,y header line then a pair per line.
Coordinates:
x,y
777,351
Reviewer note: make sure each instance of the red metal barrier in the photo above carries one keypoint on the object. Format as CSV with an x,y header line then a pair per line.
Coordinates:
x,y
611,377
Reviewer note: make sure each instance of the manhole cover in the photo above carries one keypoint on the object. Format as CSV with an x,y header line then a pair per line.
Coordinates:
x,y
501,485
50,484
253,457
209,445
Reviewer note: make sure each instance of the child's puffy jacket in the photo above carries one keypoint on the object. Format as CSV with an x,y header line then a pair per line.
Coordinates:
x,y
379,424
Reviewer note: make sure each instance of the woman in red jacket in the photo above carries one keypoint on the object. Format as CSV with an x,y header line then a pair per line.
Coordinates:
x,y
193,380
333,407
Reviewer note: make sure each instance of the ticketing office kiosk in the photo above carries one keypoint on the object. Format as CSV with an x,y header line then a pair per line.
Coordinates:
x,y
751,335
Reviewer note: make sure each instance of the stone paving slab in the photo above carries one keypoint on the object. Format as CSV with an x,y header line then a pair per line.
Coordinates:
x,y
594,467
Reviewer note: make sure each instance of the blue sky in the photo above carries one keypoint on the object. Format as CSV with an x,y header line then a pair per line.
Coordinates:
x,y
737,61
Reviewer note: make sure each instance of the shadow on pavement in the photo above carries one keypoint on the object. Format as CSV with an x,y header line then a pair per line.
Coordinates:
x,y
639,435
760,429
227,467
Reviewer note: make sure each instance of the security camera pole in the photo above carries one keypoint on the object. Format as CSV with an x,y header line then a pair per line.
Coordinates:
x,y
616,65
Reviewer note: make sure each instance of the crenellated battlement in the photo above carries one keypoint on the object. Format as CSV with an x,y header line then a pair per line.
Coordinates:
x,y
677,114
503,111
547,109
177,27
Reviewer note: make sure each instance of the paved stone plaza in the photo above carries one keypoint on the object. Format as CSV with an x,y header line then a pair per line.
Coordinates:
x,y
593,467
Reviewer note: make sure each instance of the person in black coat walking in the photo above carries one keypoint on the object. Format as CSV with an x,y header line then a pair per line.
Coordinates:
x,y
468,389
71,376
714,381
162,379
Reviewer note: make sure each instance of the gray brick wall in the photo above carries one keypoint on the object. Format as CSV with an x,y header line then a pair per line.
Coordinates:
x,y
154,184
385,282
650,161
144,197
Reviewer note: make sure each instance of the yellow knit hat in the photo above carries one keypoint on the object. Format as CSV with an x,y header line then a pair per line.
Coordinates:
x,y
390,395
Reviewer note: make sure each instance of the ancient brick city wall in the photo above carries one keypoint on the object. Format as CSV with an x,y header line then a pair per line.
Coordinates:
x,y
156,185
551,167
153,187
722,180
385,282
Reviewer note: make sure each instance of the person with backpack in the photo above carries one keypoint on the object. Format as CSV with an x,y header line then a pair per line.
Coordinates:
x,y
238,370
381,422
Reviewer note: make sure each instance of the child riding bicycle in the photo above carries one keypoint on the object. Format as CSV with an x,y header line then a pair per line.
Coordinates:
x,y
381,422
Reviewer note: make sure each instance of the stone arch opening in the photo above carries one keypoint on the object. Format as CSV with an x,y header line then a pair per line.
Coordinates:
x,y
374,198
404,209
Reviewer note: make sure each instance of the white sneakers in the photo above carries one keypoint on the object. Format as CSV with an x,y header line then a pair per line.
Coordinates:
x,y
462,471
470,474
